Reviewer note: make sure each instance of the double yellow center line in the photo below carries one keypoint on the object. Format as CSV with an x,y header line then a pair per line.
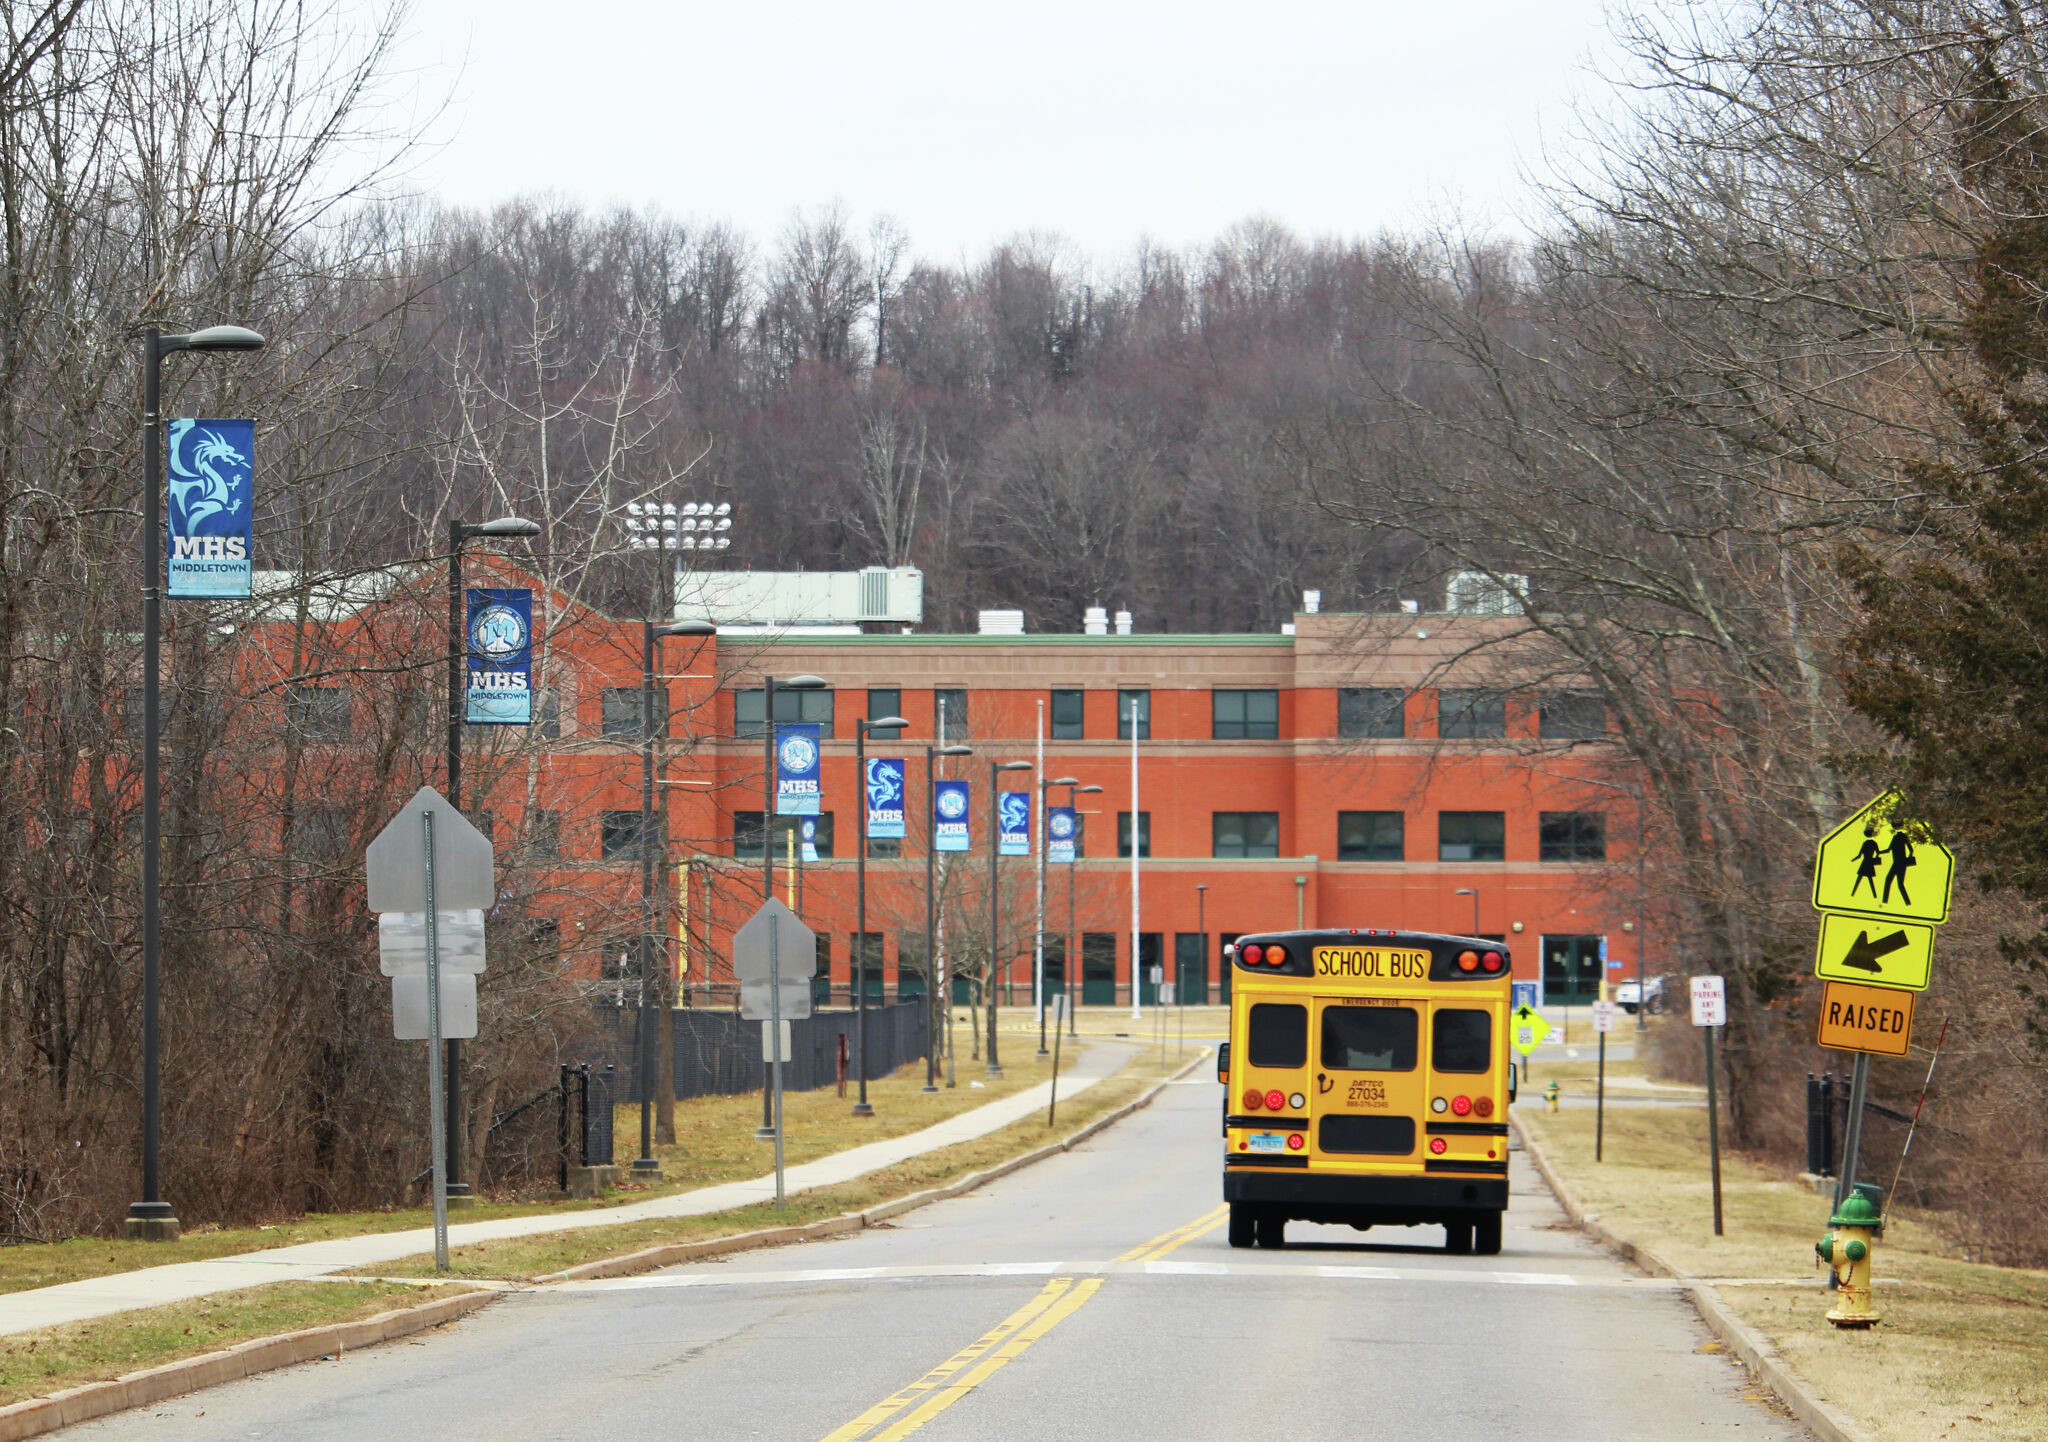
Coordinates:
x,y
903,1412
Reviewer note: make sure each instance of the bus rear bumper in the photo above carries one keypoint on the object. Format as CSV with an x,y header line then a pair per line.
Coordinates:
x,y
1368,1201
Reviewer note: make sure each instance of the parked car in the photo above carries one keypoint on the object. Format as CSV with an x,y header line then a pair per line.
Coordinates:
x,y
1630,994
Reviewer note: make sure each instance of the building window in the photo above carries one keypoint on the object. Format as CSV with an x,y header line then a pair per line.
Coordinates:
x,y
814,706
622,711
547,715
1571,836
1571,716
1244,715
619,835
320,835
544,835
868,952
1369,836
1123,834
1471,836
318,713
1370,713
746,835
884,701
1066,716
1471,715
1129,704
951,703
1252,835
883,848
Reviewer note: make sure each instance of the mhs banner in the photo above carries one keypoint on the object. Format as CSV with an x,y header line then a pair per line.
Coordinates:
x,y
500,658
885,798
796,768
1059,834
211,517
1013,823
949,816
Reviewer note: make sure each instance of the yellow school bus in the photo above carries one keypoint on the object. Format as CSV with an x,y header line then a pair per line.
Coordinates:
x,y
1367,1083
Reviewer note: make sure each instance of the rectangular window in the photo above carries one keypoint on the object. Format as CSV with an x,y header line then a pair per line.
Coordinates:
x,y
1461,1040
1066,716
1471,715
1244,715
544,835
883,848
1370,713
884,701
320,835
1369,1038
318,713
1369,836
866,961
1129,704
746,835
622,715
1251,835
1123,834
951,700
618,835
1571,716
748,713
1277,1034
1571,836
1471,836
547,715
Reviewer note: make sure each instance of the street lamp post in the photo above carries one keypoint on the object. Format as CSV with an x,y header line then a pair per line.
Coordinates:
x,y
1073,958
151,1218
1202,930
995,911
861,727
1038,936
451,1066
1468,891
646,1164
769,686
931,853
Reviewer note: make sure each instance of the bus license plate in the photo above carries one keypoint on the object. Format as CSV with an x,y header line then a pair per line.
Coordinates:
x,y
1268,1142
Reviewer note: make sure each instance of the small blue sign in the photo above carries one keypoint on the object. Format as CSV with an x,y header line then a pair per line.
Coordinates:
x,y
1527,993
1060,826
949,816
885,798
211,519
1013,823
797,790
500,670
808,829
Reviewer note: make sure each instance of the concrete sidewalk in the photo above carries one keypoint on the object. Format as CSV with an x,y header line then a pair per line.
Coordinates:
x,y
180,1281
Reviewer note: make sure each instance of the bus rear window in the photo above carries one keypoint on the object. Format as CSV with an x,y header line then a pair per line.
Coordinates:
x,y
1277,1034
1369,1038
1461,1040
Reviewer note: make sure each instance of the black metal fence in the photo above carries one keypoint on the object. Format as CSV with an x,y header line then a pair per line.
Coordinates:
x,y
719,1054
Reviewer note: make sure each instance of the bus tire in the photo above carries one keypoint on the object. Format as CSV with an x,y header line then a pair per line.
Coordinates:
x,y
1272,1229
1486,1234
1458,1238
1241,1220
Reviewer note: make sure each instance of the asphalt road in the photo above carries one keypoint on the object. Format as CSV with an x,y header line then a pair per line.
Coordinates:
x,y
1089,1297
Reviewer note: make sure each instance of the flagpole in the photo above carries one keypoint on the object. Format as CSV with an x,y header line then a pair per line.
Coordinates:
x,y
1038,929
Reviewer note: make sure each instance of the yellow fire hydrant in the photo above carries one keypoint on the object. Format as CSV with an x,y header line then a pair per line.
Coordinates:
x,y
1550,1095
1846,1248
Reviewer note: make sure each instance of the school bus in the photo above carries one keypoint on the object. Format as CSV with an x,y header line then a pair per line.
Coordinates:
x,y
1366,1083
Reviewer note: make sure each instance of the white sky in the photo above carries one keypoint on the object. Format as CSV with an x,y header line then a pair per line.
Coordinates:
x,y
970,121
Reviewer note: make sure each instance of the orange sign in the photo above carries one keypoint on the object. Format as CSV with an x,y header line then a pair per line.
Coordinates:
x,y
1866,1018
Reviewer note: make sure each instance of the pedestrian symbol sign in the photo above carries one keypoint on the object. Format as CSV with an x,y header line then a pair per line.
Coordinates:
x,y
1875,953
1530,1028
1879,865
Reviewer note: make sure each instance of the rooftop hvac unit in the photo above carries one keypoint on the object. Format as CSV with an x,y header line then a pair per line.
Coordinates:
x,y
1475,593
1002,623
1095,621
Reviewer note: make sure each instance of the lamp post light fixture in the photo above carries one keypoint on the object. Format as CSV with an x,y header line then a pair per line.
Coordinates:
x,y
151,1218
931,854
1038,935
646,1164
1468,891
1073,958
995,910
667,526
769,686
507,527
895,724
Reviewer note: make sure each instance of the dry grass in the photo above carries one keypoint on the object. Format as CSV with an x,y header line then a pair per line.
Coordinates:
x,y
34,1364
1962,1353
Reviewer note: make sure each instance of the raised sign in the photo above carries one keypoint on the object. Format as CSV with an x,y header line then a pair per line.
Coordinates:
x,y
1866,1018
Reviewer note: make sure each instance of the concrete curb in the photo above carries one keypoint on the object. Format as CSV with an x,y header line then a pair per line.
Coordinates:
x,y
245,1359
670,1254
1764,1361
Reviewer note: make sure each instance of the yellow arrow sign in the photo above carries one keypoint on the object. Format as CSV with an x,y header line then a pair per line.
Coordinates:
x,y
1875,953
1530,1028
1876,864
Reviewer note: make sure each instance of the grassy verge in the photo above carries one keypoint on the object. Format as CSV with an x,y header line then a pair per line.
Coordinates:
x,y
526,1257
715,1143
34,1364
1962,1354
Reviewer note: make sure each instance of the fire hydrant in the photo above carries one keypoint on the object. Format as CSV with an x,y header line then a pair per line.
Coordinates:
x,y
1550,1095
1856,1227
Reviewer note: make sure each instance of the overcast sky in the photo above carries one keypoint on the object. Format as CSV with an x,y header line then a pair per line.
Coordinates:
x,y
970,121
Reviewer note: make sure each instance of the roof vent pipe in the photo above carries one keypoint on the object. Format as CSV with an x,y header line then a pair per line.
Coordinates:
x,y
1095,622
1311,601
1123,623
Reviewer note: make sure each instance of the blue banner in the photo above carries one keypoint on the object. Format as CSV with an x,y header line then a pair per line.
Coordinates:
x,y
500,670
212,515
796,768
1013,818
885,798
808,829
1060,826
949,816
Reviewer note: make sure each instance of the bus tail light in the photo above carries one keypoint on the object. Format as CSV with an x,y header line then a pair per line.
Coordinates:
x,y
1468,961
1254,1099
1437,1145
1252,954
1275,1101
1462,1106
1276,955
1490,961
1482,1106
1295,1141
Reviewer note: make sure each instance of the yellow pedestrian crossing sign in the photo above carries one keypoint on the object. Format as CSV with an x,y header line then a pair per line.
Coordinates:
x,y
1879,865
1530,1028
1874,953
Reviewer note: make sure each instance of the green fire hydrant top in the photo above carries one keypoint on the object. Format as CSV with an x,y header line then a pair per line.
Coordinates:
x,y
1857,1211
